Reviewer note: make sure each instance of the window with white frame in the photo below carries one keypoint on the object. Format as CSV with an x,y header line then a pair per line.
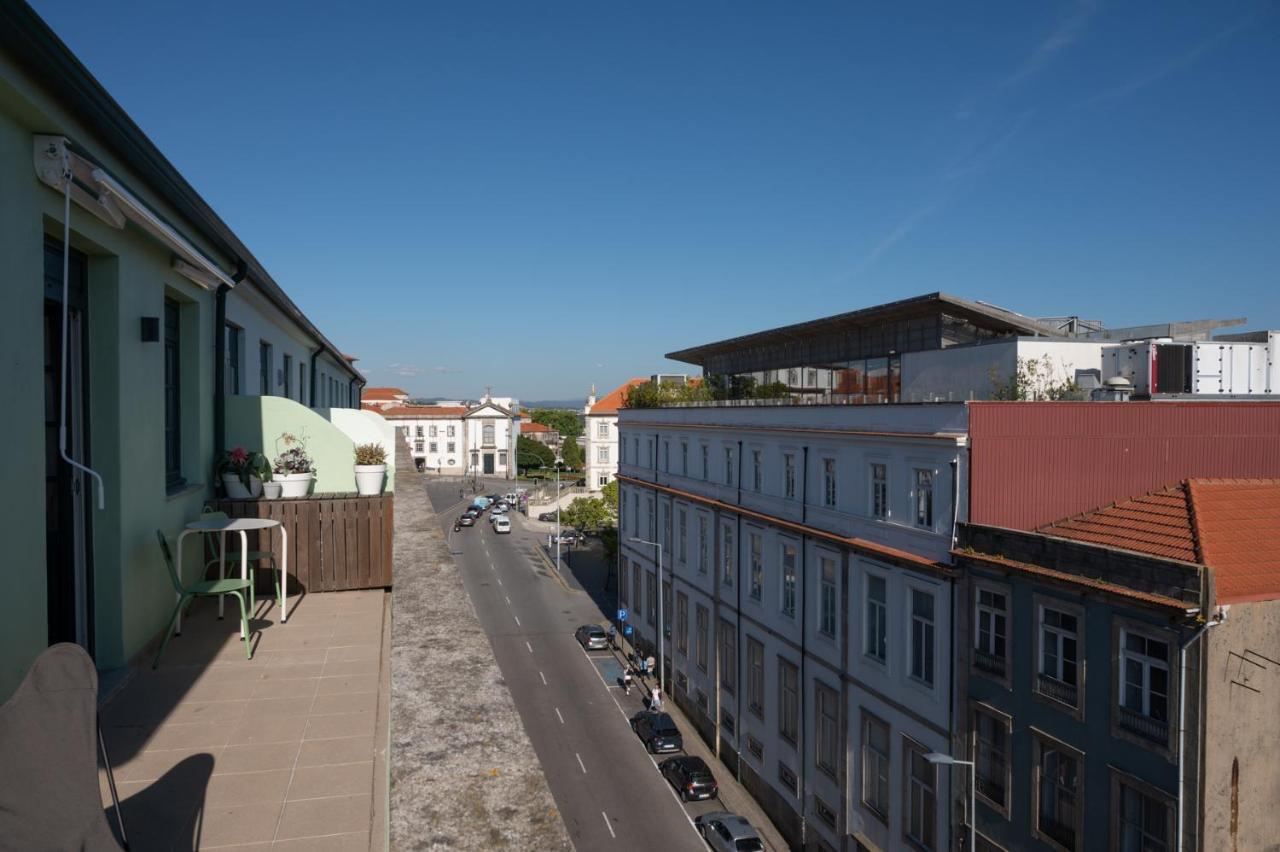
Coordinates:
x,y
635,509
728,556
635,451
636,607
922,636
653,519
666,455
922,797
755,677
788,701
728,656
452,446
502,461
789,580
1144,821
451,432
789,475
666,526
704,541
827,597
875,645
1144,685
651,598
682,623
757,471
706,461
1059,662
757,566
433,431
417,431
623,592
991,754
434,446
602,429
683,549
827,724
602,454
991,614
1057,792
700,639
417,445
728,465
924,499
829,483
879,490
875,765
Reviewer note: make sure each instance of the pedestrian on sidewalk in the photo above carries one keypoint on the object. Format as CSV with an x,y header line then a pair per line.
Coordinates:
x,y
655,702
613,638
626,682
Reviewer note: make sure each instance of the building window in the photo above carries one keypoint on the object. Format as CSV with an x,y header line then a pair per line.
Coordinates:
x,y
303,390
706,463
824,812
728,556
704,540
635,451
876,644
287,372
924,499
757,566
683,549
623,568
666,526
922,805
755,677
789,475
602,454
827,598
486,433
434,446
991,754
922,637
1057,792
875,765
653,519
635,507
502,462
264,367
728,656
879,491
652,589
827,718
452,447
682,623
991,609
726,721
684,458
432,430
728,465
787,777
1144,817
788,701
1144,686
829,483
636,607
666,455
755,747
602,429
451,432
700,639
417,432
1059,655
789,580
235,339
172,394
757,471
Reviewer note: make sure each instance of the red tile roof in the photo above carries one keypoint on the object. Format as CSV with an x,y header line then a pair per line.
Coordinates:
x,y
530,426
616,398
1229,525
410,412
383,394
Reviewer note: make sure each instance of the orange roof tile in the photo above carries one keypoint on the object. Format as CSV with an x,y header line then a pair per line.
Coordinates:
x,y
1229,525
530,426
383,393
422,411
616,398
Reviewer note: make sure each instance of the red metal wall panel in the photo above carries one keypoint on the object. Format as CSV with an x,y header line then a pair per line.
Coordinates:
x,y
1032,463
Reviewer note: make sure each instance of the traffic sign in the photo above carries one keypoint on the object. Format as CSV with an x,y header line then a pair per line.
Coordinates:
x,y
622,615
628,630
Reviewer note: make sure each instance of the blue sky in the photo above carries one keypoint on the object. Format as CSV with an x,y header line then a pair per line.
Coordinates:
x,y
539,196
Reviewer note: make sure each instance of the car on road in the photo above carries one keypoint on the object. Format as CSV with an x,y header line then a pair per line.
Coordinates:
x,y
499,509
592,637
467,520
502,525
657,731
726,832
570,537
691,777
547,516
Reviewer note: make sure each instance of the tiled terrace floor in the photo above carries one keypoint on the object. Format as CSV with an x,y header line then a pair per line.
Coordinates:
x,y
279,752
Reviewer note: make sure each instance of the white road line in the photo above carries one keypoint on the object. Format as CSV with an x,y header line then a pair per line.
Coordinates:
x,y
580,763
508,597
558,716
608,825
544,678
499,581
530,647
517,618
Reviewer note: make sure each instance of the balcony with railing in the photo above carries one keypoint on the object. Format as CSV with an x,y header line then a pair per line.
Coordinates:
x,y
988,663
1155,730
1060,832
1057,690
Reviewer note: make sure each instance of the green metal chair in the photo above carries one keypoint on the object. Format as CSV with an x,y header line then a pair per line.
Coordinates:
x,y
254,557
201,589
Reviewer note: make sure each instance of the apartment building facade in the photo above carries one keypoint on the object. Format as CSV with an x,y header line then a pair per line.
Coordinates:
x,y
436,435
600,434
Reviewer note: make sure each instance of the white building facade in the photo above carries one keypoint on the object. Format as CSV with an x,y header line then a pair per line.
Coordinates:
x,y
436,435
492,430
600,434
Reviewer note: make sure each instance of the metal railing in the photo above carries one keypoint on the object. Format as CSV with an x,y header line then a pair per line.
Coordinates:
x,y
1144,726
991,788
1057,690
989,663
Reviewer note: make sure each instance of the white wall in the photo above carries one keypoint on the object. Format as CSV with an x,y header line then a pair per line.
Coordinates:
x,y
964,372
591,444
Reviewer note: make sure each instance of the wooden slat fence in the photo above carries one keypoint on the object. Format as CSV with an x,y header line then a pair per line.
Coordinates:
x,y
336,542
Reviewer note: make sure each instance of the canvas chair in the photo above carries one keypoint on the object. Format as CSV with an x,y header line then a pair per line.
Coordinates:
x,y
49,793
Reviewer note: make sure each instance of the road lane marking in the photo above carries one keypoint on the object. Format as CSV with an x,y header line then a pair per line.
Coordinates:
x,y
544,678
508,597
608,825
530,647
558,716
580,763
499,581
517,618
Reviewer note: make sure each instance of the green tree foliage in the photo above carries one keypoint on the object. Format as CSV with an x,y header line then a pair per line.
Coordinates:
x,y
609,494
1033,380
531,453
571,453
564,421
650,395
586,513
609,538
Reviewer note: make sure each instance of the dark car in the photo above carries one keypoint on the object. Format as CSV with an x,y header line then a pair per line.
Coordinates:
x,y
467,520
547,516
657,731
726,832
691,777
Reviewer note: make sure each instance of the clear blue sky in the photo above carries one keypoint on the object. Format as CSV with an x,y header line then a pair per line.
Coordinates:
x,y
543,195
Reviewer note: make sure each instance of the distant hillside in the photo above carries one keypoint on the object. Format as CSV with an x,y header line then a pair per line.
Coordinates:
x,y
571,404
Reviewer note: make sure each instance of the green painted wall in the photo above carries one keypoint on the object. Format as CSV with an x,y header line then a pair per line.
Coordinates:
x,y
257,422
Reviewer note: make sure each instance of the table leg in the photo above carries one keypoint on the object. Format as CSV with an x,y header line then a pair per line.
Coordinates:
x,y
284,573
222,565
244,567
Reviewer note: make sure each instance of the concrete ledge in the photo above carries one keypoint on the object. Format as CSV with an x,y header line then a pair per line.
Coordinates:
x,y
463,773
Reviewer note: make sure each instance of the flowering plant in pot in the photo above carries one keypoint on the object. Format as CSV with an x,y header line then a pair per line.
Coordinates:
x,y
293,468
242,472
371,469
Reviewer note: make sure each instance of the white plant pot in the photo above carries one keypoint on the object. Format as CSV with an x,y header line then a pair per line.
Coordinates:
x,y
294,484
235,488
369,479
271,490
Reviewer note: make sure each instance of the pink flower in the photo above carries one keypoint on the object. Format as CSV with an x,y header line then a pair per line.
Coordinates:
x,y
239,455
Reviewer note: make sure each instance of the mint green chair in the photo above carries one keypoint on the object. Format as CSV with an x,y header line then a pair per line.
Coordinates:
x,y
255,557
201,589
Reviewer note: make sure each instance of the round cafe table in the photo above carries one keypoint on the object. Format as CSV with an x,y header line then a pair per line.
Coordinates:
x,y
222,526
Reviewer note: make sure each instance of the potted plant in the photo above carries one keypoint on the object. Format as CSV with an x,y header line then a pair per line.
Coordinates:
x,y
242,472
371,469
293,468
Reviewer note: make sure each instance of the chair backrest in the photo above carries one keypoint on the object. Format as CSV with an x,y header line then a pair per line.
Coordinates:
x,y
168,563
208,514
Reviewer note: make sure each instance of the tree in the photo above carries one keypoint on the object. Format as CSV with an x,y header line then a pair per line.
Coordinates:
x,y
571,453
651,395
586,513
609,494
564,421
609,538
531,453
1033,380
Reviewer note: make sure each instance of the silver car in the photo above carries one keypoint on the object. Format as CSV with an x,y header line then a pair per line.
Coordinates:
x,y
728,832
592,637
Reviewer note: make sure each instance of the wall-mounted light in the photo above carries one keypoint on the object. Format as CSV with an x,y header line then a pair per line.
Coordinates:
x,y
151,329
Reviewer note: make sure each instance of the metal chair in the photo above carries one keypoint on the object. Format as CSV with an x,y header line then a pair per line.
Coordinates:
x,y
201,589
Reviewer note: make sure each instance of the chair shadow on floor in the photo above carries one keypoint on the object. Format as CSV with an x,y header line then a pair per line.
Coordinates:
x,y
168,813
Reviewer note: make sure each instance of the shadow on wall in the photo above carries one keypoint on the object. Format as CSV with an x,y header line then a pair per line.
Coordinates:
x,y
258,422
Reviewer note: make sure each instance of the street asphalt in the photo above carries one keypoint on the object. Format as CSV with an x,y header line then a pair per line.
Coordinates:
x,y
605,783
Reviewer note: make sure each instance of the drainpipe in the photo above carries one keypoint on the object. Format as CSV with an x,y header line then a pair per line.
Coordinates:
x,y
1182,714
311,397
220,358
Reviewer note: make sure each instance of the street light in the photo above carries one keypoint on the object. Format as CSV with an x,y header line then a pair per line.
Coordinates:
x,y
559,462
662,669
947,760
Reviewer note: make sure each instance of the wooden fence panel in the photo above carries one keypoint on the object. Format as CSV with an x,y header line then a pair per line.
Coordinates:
x,y
336,542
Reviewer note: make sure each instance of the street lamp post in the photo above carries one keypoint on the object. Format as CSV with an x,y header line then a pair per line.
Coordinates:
x,y
662,669
558,463
948,760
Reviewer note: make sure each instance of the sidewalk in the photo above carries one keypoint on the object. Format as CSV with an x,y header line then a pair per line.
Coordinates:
x,y
733,797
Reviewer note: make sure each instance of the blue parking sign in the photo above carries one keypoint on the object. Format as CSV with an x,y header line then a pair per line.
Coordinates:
x,y
622,615
628,630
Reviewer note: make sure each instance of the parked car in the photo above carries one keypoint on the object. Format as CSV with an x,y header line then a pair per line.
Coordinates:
x,y
502,525
467,520
570,537
726,832
547,516
500,509
691,777
657,731
592,637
